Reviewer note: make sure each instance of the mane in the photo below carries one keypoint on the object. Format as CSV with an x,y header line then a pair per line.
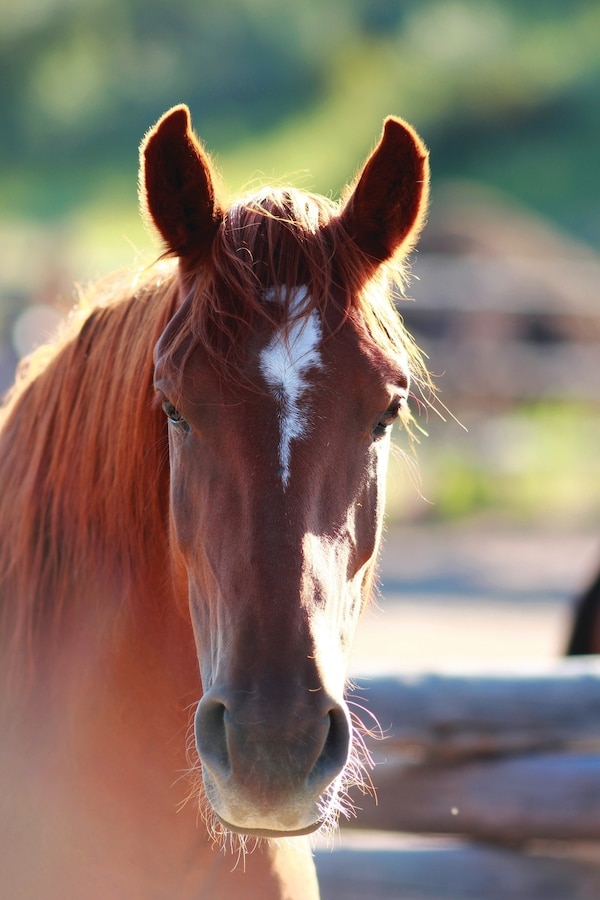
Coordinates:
x,y
82,513
268,244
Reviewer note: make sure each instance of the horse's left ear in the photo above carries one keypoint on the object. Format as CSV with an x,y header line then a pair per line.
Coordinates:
x,y
386,209
177,186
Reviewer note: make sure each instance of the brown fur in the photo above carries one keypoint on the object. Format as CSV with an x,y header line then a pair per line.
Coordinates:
x,y
97,655
289,238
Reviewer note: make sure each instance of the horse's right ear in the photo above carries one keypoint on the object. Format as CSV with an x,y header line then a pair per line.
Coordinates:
x,y
176,186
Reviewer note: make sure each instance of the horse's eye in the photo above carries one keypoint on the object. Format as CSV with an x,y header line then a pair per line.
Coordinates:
x,y
174,416
386,421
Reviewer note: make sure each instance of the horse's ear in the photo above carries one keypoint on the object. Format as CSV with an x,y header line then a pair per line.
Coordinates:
x,y
386,209
176,186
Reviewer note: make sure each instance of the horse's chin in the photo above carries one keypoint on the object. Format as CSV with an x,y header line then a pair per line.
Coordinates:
x,y
268,833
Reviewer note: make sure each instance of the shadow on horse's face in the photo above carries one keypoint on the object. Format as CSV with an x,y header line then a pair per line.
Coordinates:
x,y
277,474
277,491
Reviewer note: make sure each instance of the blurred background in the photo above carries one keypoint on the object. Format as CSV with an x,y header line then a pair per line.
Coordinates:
x,y
504,298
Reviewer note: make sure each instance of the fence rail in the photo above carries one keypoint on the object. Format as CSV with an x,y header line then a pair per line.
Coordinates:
x,y
512,761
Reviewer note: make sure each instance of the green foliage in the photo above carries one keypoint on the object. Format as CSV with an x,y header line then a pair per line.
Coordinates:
x,y
530,464
503,91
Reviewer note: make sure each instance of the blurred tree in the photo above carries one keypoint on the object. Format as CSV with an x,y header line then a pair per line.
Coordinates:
x,y
503,91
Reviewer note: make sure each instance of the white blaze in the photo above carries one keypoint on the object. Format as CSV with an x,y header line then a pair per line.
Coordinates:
x,y
285,361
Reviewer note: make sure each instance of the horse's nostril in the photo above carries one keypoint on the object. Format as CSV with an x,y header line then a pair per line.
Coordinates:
x,y
211,735
336,750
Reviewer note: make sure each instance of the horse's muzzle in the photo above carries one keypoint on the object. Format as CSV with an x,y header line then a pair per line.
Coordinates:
x,y
265,774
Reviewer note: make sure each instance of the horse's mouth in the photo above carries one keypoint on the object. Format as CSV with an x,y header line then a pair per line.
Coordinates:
x,y
268,833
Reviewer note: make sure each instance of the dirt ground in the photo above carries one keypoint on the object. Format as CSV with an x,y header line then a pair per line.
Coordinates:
x,y
465,596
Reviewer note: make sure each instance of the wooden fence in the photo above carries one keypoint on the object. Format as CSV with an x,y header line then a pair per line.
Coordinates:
x,y
498,775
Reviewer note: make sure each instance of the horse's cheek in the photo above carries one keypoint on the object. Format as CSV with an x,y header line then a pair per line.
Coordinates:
x,y
188,503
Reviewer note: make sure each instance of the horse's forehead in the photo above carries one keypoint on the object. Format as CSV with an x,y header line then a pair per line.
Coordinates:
x,y
309,347
285,359
287,362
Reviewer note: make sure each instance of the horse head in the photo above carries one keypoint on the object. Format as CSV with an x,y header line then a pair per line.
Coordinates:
x,y
280,376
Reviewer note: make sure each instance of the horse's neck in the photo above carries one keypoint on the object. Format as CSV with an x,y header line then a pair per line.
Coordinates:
x,y
128,681
99,748
92,800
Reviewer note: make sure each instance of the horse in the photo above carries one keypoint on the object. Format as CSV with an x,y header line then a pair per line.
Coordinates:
x,y
193,478
584,632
